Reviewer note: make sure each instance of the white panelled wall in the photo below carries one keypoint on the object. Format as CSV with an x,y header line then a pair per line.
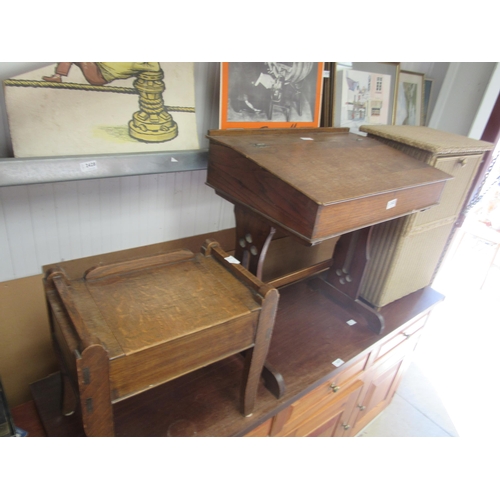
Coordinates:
x,y
48,223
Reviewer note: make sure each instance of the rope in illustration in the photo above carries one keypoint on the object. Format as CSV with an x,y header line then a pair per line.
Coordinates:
x,y
88,87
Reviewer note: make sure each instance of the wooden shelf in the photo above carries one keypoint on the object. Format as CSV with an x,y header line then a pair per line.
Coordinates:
x,y
310,333
25,171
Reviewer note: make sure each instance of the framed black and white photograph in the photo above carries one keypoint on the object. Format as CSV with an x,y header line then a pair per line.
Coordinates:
x,y
270,94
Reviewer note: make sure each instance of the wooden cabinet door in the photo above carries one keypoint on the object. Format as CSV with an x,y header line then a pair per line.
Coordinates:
x,y
381,385
379,394
382,379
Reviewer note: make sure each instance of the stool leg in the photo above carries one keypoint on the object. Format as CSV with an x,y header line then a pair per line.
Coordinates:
x,y
256,356
68,403
68,396
95,396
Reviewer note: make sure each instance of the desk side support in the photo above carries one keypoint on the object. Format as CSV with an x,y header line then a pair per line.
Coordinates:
x,y
345,277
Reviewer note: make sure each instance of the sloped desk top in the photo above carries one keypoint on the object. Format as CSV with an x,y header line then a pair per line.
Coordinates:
x,y
319,183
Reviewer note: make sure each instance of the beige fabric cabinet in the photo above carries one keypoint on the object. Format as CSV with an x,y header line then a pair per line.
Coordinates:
x,y
406,252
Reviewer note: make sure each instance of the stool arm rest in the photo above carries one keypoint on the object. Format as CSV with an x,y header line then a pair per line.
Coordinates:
x,y
213,248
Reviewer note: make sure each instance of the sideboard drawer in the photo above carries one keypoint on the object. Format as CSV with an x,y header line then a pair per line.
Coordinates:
x,y
330,420
321,397
398,339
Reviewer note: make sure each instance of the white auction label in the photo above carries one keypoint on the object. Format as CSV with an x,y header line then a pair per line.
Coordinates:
x,y
338,362
351,322
307,138
88,165
232,260
391,203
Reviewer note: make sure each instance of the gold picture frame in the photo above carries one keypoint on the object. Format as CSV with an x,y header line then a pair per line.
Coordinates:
x,y
428,95
410,99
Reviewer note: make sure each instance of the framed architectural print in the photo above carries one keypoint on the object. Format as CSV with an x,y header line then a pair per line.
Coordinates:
x,y
364,94
270,94
410,99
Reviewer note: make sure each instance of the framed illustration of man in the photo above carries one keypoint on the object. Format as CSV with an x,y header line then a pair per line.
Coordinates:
x,y
270,94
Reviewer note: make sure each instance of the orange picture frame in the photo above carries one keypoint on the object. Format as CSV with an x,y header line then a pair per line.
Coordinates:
x,y
270,95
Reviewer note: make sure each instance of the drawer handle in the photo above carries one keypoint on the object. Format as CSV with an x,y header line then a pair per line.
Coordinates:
x,y
361,407
335,388
346,426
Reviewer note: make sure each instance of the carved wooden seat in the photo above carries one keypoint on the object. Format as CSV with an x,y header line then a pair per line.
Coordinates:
x,y
124,328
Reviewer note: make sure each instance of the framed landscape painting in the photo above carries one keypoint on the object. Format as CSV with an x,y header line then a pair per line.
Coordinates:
x,y
270,94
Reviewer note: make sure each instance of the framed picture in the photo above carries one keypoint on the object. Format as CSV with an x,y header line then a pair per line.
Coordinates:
x,y
102,108
270,94
363,93
428,83
328,95
410,99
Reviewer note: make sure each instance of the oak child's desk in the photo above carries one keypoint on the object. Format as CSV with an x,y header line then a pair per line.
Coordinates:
x,y
315,184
